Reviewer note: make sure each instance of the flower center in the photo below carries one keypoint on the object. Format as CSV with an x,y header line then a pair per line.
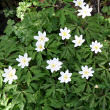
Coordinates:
x,y
65,77
10,74
96,47
53,65
85,12
86,72
23,60
40,46
42,39
79,3
64,34
79,41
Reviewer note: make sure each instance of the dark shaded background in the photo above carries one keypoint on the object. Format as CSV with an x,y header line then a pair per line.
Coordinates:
x,y
6,4
12,4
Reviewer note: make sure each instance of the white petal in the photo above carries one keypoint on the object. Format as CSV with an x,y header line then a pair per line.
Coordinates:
x,y
25,55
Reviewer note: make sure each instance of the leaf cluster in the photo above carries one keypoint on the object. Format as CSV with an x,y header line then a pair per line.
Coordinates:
x,y
37,88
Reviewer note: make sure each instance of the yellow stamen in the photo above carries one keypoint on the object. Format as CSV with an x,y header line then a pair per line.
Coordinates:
x,y
79,3
64,34
65,77
24,60
96,47
79,41
53,65
10,75
40,46
85,12
42,39
86,72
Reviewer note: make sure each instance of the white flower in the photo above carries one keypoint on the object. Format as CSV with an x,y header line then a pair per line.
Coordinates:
x,y
40,46
78,41
85,11
65,77
54,65
23,60
86,72
95,46
64,33
9,75
79,3
41,37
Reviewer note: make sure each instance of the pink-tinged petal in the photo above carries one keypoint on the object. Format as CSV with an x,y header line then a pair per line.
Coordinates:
x,y
76,37
60,34
80,72
5,70
52,70
28,59
74,41
65,28
17,59
14,70
22,66
82,67
90,9
75,2
4,75
39,33
25,55
20,56
79,14
19,64
101,45
59,78
10,81
63,38
81,36
15,77
75,45
82,76
68,31
35,37
87,77
5,80
61,30
44,34
83,16
62,73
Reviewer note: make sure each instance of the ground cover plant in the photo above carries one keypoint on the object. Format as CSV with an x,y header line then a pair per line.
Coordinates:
x,y
57,57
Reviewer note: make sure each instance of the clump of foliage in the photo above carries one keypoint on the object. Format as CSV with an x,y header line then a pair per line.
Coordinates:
x,y
9,13
21,10
106,11
36,87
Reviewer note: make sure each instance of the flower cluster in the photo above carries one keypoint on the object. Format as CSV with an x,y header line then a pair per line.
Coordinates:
x,y
85,10
54,64
41,40
95,46
9,74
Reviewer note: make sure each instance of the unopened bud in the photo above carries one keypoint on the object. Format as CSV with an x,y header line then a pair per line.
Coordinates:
x,y
96,86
